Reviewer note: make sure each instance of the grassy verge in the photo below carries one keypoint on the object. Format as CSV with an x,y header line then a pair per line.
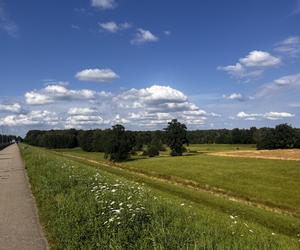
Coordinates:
x,y
270,182
83,207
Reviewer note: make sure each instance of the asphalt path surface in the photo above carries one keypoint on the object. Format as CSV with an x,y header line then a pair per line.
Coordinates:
x,y
19,224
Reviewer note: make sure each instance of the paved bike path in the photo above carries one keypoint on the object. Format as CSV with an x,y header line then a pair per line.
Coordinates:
x,y
19,224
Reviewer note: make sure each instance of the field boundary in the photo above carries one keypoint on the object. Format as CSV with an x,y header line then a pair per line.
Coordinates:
x,y
218,192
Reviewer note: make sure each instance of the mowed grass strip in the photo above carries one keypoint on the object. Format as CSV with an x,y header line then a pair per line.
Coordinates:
x,y
84,208
274,183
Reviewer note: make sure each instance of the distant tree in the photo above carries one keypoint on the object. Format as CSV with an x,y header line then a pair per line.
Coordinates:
x,y
119,145
252,132
265,138
139,141
99,140
285,136
297,138
85,140
154,147
19,139
236,136
223,136
176,137
151,151
59,139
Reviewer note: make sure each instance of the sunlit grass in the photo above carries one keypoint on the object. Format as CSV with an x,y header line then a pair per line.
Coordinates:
x,y
85,208
271,182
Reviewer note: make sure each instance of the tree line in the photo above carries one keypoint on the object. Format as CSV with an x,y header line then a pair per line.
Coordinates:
x,y
118,143
6,140
282,136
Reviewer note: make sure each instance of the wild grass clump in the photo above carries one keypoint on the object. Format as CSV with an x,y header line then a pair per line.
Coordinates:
x,y
84,208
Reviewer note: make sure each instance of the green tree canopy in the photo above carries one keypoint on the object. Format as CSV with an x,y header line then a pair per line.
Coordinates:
x,y
285,136
176,133
120,144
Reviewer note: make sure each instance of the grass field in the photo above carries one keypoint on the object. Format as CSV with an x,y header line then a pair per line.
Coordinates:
x,y
206,148
273,183
77,201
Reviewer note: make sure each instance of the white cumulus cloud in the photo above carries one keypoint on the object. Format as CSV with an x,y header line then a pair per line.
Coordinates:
x,y
143,36
252,65
234,96
14,108
97,75
269,115
257,58
158,104
114,27
35,98
35,117
84,121
81,111
104,4
145,108
54,93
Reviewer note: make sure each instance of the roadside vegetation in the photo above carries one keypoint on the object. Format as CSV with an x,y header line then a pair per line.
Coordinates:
x,y
86,207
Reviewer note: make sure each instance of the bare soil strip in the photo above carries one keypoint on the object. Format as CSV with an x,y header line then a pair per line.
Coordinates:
x,y
278,154
190,184
19,223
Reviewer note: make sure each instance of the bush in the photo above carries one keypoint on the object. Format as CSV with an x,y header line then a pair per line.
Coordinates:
x,y
152,151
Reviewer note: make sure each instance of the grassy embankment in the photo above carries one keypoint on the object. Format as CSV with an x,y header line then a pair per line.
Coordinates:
x,y
88,208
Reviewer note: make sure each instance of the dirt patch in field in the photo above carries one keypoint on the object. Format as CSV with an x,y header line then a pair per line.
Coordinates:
x,y
278,154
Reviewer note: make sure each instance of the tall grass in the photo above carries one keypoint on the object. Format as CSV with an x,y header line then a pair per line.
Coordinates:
x,y
84,208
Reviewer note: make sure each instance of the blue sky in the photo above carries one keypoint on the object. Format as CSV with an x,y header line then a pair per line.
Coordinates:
x,y
94,63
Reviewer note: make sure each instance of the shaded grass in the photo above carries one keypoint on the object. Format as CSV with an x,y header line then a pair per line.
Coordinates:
x,y
73,207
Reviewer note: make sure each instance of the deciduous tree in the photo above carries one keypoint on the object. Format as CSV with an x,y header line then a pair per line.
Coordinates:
x,y
176,137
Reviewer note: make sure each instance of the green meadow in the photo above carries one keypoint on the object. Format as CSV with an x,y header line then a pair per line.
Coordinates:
x,y
92,205
273,183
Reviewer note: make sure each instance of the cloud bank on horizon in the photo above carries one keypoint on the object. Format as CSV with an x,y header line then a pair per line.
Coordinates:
x,y
125,68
